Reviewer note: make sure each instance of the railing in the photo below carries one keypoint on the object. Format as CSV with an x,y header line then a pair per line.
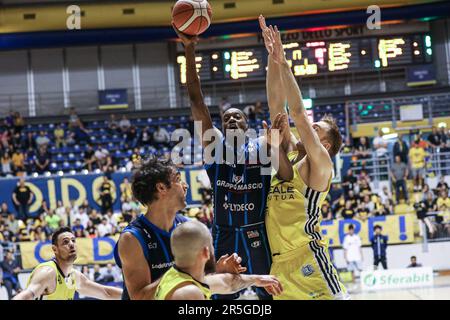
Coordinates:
x,y
379,110
439,162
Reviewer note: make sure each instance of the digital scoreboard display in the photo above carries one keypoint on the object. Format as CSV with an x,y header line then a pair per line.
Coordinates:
x,y
309,58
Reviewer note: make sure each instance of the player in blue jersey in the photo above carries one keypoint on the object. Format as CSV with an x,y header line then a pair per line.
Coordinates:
x,y
239,186
143,250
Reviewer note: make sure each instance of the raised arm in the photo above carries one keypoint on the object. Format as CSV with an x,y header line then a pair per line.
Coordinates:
x,y
135,269
318,156
199,109
226,283
44,278
91,289
276,95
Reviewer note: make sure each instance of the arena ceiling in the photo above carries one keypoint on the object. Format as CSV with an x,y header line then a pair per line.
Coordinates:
x,y
50,15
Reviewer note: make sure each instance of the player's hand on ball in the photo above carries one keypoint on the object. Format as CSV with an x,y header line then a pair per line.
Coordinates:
x,y
270,283
186,39
230,264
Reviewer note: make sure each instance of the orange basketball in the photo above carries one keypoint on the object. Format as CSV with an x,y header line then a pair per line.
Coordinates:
x,y
192,17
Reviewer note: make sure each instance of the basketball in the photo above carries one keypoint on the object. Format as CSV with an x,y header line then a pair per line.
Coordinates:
x,y
192,17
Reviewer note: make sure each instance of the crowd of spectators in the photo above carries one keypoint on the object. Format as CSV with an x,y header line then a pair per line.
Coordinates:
x,y
25,153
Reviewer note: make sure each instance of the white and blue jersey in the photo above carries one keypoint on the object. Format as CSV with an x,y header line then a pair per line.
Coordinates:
x,y
155,244
240,194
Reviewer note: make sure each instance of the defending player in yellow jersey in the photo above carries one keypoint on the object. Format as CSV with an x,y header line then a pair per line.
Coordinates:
x,y
58,280
301,260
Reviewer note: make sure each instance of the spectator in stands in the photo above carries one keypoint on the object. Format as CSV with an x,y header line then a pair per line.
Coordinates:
x,y
82,135
95,218
22,197
106,190
52,220
98,277
385,194
29,142
363,212
112,273
101,156
353,198
348,146
16,141
434,138
380,144
250,112
417,161
89,157
161,137
62,213
59,134
78,229
420,142
74,120
414,263
349,182
6,163
348,212
10,269
442,185
82,215
19,122
12,224
5,138
91,230
125,190
4,211
71,138
42,140
104,228
113,124
131,137
18,161
42,160
145,137
399,174
364,187
363,150
327,213
124,124
112,219
369,204
443,201
353,255
379,244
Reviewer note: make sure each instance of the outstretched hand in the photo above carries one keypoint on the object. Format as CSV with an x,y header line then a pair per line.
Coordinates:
x,y
186,39
230,264
280,124
270,283
272,41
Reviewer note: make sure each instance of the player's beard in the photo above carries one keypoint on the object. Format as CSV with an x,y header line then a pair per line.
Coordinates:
x,y
210,266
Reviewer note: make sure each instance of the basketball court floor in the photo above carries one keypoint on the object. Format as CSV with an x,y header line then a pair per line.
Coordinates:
x,y
440,291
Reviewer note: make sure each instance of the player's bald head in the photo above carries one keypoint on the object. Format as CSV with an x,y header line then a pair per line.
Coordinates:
x,y
188,240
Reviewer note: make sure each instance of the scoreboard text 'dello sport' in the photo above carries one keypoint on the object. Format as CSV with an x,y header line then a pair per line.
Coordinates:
x,y
309,58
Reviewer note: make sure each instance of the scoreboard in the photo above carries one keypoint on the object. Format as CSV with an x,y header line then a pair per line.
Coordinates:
x,y
309,58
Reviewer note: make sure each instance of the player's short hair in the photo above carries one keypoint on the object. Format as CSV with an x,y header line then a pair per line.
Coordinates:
x,y
333,134
351,227
377,227
148,174
59,231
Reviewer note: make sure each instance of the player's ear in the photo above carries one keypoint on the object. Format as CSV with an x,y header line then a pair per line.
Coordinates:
x,y
161,187
55,249
206,252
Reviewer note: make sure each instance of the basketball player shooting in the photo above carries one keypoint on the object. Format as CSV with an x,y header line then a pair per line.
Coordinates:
x,y
300,253
240,190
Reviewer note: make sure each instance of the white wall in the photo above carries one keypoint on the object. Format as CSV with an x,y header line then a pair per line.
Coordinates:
x,y
398,256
